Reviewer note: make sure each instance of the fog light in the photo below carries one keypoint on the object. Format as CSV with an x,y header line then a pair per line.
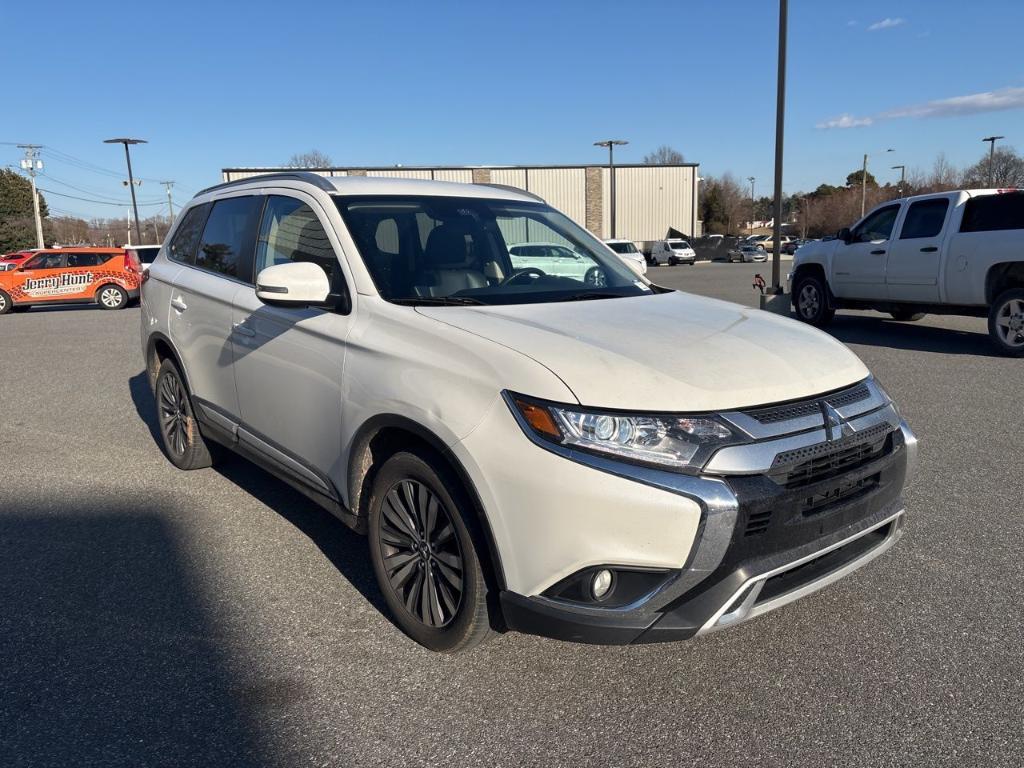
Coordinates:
x,y
601,583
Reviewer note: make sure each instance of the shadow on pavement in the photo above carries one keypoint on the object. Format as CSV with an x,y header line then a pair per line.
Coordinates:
x,y
109,655
878,332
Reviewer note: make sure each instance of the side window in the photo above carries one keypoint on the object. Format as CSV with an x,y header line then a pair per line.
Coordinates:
x,y
994,212
186,238
290,232
45,261
86,259
877,226
227,242
925,219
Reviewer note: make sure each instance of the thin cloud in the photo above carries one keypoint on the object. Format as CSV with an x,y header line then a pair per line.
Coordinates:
x,y
851,23
887,23
956,106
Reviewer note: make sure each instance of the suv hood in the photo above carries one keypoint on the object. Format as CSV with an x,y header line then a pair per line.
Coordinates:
x,y
666,352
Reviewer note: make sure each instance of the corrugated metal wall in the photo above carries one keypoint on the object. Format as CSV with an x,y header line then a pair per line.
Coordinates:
x,y
651,199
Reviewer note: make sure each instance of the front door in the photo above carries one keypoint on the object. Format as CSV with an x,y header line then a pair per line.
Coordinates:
x,y
913,271
858,267
40,279
289,361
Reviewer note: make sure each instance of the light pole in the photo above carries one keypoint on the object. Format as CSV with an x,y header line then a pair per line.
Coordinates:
x,y
751,180
903,175
170,201
864,183
131,180
780,113
611,144
32,165
992,156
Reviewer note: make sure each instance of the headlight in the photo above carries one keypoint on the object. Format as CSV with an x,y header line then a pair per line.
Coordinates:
x,y
668,441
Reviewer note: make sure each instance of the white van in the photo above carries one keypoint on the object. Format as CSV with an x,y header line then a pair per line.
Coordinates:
x,y
672,252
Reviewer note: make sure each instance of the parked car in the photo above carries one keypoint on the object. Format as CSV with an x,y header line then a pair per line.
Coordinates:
x,y
144,253
517,453
958,253
769,243
109,277
628,252
672,252
554,259
747,253
790,247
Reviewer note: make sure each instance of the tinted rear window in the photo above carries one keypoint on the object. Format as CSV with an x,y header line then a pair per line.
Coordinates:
x,y
229,237
994,212
186,238
88,259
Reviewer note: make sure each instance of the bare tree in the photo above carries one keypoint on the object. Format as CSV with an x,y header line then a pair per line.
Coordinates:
x,y
1007,170
312,159
664,155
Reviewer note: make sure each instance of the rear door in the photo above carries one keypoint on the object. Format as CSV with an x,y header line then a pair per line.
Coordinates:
x,y
82,271
39,280
858,267
201,299
912,272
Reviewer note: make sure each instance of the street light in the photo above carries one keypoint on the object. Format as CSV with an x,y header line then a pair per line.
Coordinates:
x,y
992,156
864,183
903,176
611,144
780,112
131,180
751,180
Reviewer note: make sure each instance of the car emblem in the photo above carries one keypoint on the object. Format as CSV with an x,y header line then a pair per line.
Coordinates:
x,y
836,427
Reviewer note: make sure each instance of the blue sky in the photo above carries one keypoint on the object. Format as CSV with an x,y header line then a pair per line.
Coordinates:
x,y
379,83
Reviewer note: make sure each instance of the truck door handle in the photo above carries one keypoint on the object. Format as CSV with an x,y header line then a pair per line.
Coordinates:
x,y
929,249
242,330
879,252
179,304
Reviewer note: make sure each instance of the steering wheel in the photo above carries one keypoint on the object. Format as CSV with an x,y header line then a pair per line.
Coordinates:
x,y
526,272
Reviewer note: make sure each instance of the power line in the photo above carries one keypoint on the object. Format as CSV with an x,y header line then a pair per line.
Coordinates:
x,y
112,198
98,202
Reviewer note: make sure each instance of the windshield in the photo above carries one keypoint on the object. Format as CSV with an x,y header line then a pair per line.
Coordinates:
x,y
678,245
458,250
622,247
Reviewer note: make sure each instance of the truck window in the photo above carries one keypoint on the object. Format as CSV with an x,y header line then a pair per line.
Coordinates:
x,y
925,218
994,212
877,226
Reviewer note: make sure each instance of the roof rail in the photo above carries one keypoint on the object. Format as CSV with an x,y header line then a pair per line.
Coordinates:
x,y
510,188
321,182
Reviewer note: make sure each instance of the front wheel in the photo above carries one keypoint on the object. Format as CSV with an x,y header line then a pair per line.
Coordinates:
x,y
1006,322
112,297
6,305
810,296
424,554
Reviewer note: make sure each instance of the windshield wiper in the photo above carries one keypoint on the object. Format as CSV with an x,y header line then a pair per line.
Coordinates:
x,y
594,295
441,301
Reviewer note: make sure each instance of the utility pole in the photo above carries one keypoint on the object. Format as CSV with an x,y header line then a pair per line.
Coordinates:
x,y
170,202
992,157
611,144
903,176
751,180
32,164
780,114
864,184
131,180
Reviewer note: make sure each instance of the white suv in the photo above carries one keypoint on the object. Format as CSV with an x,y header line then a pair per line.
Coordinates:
x,y
518,455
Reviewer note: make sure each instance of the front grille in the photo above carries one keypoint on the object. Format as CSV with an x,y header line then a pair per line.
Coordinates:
x,y
849,397
775,414
819,462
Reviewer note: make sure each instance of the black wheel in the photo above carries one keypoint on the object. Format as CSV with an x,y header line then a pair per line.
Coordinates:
x,y
595,278
810,297
112,296
424,555
1006,322
183,443
6,305
905,316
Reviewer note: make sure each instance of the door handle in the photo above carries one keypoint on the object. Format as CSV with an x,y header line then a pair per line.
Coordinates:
x,y
179,304
242,330
929,249
879,252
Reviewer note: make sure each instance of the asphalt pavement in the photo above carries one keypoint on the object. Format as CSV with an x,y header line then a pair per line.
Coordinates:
x,y
154,617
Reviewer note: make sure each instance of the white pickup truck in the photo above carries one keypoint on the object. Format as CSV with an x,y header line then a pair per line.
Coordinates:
x,y
954,253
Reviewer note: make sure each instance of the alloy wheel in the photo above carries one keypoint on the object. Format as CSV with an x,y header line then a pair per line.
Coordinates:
x,y
111,297
174,418
809,301
1010,323
421,554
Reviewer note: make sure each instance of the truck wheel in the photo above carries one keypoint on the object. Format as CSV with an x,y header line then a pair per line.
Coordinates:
x,y
810,298
424,554
1006,322
907,317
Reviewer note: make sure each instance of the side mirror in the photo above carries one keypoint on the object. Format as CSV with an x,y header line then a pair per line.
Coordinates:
x,y
844,235
296,284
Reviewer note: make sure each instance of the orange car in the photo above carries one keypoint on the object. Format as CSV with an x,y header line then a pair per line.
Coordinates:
x,y
109,277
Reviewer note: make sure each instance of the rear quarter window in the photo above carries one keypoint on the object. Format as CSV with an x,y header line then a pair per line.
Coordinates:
x,y
186,237
990,213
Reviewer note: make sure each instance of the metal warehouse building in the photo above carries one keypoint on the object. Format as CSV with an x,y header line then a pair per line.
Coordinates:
x,y
649,199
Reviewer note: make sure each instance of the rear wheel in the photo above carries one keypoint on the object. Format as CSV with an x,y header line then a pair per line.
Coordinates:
x,y
1006,322
424,554
905,316
183,443
810,296
112,297
6,305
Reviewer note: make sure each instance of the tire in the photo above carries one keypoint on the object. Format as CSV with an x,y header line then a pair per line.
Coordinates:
x,y
111,296
904,316
183,443
6,305
811,301
418,565
1006,322
595,277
